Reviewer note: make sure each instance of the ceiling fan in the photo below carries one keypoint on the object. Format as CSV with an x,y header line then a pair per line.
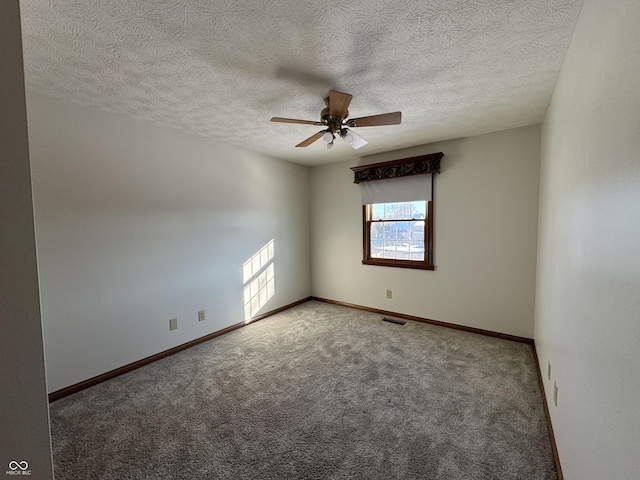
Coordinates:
x,y
335,117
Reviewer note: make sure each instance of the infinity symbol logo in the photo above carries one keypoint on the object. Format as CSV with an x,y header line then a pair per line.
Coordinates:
x,y
23,465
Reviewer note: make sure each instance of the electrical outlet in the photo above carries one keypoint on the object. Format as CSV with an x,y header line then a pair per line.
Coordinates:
x,y
201,315
549,370
173,323
555,393
389,294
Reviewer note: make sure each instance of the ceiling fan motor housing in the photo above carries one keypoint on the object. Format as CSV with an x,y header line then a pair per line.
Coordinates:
x,y
335,124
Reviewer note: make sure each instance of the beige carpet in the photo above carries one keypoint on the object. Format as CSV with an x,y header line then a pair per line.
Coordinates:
x,y
318,391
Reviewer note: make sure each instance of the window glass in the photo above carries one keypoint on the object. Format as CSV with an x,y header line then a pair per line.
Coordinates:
x,y
397,230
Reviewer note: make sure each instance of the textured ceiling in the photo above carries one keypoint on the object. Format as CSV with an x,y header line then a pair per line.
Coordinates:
x,y
223,68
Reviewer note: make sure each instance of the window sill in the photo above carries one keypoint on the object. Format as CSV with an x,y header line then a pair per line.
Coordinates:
x,y
399,264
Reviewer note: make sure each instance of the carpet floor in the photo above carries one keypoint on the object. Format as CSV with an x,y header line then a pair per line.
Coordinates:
x,y
318,391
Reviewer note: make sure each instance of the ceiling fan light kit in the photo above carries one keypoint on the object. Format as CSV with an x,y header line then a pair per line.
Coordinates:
x,y
335,117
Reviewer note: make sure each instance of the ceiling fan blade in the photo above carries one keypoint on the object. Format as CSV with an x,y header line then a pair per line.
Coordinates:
x,y
293,120
339,103
311,139
358,141
375,120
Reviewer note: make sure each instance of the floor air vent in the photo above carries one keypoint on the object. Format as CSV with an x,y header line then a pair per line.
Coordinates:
x,y
393,320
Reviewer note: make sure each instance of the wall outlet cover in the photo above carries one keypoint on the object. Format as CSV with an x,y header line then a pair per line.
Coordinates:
x,y
389,294
201,315
173,323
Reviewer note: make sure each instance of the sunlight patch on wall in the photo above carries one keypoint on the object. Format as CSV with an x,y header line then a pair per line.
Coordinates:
x,y
258,277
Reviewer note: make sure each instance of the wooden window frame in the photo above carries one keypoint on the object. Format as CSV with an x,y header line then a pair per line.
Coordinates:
x,y
426,264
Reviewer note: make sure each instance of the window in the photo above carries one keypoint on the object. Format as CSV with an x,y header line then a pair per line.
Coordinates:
x,y
397,211
398,234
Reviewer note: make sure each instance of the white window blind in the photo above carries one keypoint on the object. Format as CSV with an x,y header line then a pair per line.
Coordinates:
x,y
402,189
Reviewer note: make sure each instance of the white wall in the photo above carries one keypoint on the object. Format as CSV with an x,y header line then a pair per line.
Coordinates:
x,y
24,414
486,213
137,224
588,289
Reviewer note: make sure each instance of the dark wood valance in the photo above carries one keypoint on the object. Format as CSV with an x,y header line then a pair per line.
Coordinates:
x,y
398,168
